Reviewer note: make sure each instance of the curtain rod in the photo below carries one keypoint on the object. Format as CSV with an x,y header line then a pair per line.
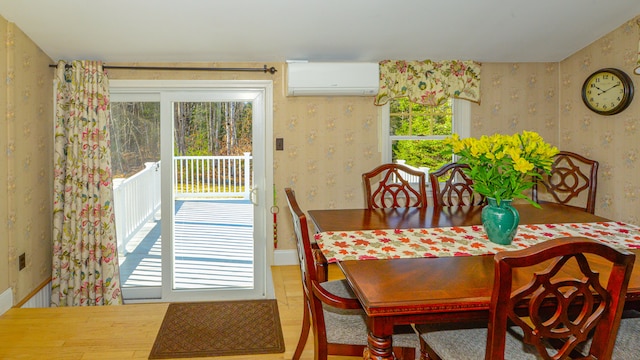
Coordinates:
x,y
265,69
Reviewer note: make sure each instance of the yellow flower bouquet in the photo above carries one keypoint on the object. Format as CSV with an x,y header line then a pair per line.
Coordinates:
x,y
504,166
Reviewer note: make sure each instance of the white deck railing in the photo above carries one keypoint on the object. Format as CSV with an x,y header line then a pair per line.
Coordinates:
x,y
413,179
218,176
137,198
135,201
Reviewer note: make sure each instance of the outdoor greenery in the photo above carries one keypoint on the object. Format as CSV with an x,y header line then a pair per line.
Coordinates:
x,y
224,128
212,128
135,136
409,120
200,129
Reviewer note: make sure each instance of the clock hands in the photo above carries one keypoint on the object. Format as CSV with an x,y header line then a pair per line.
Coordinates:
x,y
604,91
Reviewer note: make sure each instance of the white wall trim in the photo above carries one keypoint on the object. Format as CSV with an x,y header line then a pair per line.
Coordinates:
x,y
285,257
41,299
6,301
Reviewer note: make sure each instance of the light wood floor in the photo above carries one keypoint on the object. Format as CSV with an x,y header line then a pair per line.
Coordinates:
x,y
128,331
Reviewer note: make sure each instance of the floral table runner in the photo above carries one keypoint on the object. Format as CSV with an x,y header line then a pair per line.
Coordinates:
x,y
461,240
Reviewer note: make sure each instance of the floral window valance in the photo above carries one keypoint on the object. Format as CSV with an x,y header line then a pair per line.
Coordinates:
x,y
428,82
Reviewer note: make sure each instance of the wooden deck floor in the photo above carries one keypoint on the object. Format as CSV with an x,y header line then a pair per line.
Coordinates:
x,y
213,247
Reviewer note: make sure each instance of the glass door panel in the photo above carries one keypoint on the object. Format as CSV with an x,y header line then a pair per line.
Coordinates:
x,y
213,224
135,163
215,250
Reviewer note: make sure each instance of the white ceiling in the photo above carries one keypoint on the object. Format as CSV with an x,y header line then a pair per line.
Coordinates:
x,y
316,30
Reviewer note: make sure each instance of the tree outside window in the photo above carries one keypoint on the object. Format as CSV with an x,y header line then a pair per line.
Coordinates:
x,y
416,132
201,129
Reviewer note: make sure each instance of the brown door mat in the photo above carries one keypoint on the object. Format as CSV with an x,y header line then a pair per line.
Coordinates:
x,y
219,328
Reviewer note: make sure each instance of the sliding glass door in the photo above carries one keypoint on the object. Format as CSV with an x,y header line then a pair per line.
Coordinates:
x,y
192,225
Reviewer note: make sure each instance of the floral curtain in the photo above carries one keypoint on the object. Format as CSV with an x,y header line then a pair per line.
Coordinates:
x,y
85,257
428,82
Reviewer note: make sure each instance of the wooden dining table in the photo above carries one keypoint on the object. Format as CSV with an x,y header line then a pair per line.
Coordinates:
x,y
433,290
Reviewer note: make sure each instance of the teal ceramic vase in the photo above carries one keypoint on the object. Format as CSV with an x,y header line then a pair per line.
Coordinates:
x,y
500,221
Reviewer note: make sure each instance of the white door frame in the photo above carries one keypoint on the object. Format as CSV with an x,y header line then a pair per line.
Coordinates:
x,y
260,92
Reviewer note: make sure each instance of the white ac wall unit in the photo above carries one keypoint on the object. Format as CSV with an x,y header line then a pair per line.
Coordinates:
x,y
332,79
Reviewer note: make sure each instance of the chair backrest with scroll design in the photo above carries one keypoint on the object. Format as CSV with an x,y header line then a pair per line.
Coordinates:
x,y
451,186
389,186
573,181
545,306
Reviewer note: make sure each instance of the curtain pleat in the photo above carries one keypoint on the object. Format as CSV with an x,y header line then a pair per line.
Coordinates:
x,y
85,257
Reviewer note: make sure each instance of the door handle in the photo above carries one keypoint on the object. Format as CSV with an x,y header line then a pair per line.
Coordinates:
x,y
253,196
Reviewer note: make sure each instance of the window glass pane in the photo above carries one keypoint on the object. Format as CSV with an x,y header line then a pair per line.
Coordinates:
x,y
135,136
135,159
421,123
399,125
409,119
442,123
420,153
212,128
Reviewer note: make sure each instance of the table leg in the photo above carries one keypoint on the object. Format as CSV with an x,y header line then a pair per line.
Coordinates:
x,y
379,348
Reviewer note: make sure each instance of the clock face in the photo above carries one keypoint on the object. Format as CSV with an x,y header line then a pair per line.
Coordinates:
x,y
607,91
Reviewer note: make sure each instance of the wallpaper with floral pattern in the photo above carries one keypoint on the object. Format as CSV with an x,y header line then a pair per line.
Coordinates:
x,y
330,141
612,140
26,129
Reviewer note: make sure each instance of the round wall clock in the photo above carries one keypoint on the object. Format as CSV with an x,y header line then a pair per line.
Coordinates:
x,y
607,91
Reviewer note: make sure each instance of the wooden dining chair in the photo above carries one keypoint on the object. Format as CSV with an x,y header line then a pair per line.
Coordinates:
x,y
339,325
451,186
550,316
394,186
573,181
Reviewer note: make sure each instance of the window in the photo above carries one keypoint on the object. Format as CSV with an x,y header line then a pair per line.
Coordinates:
x,y
413,133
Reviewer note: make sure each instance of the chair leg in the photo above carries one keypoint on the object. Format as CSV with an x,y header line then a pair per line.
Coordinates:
x,y
304,332
426,353
404,353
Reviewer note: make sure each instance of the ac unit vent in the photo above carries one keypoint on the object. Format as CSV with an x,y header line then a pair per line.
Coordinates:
x,y
332,79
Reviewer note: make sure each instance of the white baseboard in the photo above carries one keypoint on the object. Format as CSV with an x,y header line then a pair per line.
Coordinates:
x,y
285,257
41,299
6,301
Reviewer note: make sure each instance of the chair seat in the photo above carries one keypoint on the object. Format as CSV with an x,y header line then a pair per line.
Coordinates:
x,y
470,343
339,287
348,326
628,340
